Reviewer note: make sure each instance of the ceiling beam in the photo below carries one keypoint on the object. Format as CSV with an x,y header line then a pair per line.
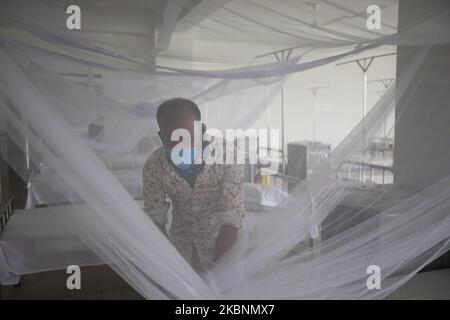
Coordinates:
x,y
201,10
172,13
353,13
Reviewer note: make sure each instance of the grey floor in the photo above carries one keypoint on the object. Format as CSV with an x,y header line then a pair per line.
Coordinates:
x,y
100,282
431,285
97,283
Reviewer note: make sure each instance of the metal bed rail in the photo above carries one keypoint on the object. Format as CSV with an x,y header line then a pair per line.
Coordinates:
x,y
381,145
347,168
6,211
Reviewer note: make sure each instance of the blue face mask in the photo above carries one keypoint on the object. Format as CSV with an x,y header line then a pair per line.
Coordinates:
x,y
190,157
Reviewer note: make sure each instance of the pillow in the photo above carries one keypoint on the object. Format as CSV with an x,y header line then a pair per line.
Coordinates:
x,y
258,197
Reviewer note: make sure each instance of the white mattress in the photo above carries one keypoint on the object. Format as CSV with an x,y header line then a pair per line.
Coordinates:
x,y
37,240
27,246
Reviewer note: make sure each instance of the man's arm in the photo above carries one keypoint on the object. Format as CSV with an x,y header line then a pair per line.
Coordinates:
x,y
154,197
231,206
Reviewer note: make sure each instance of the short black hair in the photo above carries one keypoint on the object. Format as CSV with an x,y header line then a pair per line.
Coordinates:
x,y
173,108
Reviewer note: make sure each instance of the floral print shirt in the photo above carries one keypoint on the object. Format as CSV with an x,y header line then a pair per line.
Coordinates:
x,y
198,211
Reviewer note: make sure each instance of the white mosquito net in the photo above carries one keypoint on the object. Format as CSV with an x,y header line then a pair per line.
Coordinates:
x,y
81,105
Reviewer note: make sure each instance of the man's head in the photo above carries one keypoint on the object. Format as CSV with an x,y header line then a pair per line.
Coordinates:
x,y
177,113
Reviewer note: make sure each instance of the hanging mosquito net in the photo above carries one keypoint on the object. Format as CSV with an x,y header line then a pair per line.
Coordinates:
x,y
81,105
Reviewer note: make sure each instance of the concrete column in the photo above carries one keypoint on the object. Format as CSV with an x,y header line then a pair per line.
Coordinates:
x,y
422,132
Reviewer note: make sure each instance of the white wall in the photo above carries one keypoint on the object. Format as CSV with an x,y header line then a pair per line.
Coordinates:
x,y
339,107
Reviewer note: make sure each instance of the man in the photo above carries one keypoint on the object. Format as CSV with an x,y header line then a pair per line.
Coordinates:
x,y
207,204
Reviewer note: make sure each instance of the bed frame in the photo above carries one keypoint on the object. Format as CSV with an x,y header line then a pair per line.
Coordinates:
x,y
364,172
6,211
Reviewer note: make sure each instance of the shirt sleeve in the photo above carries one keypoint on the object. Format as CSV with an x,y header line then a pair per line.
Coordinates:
x,y
231,203
155,203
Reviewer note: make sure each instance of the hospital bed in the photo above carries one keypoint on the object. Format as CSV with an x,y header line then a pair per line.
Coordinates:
x,y
363,172
27,246
36,240
47,188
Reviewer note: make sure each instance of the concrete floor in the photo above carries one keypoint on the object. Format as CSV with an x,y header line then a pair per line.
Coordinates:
x,y
101,283
431,285
97,283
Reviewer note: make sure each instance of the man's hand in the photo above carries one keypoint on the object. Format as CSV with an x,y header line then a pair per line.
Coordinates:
x,y
225,240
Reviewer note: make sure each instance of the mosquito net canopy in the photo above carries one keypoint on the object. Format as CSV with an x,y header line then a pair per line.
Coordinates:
x,y
80,106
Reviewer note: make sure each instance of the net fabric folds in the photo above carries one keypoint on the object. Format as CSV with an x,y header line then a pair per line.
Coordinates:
x,y
82,107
